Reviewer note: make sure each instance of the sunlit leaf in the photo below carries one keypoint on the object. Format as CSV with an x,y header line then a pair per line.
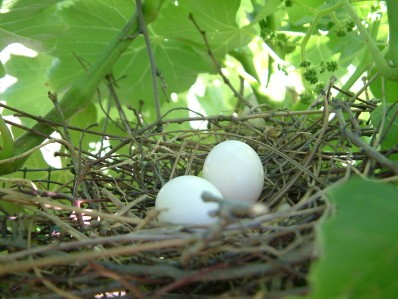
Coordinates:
x,y
2,70
30,22
267,9
299,15
92,24
29,93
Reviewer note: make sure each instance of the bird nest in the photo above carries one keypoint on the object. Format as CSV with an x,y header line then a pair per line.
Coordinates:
x,y
98,235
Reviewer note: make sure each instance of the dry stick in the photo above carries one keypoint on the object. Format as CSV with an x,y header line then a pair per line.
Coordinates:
x,y
233,118
227,211
113,275
217,65
212,273
154,69
363,88
356,140
283,155
17,197
113,95
223,272
21,113
85,257
318,141
52,287
27,153
76,160
52,140
143,235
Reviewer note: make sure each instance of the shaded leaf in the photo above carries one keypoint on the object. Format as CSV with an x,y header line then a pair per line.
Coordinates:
x,y
381,86
389,116
358,243
216,18
85,119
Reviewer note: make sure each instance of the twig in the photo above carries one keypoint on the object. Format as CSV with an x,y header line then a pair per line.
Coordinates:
x,y
235,208
52,123
16,197
119,107
356,140
311,155
217,65
76,159
86,256
233,118
154,69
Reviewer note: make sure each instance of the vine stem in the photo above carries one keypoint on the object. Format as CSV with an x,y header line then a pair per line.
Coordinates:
x,y
81,92
318,15
154,69
217,65
381,64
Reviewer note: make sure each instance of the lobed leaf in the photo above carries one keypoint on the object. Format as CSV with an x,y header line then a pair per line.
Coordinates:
x,y
358,243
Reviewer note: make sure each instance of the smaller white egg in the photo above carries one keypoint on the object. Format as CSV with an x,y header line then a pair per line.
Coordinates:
x,y
182,199
236,170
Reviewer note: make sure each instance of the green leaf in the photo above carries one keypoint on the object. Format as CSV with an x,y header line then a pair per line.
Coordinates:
x,y
389,131
91,25
218,98
299,15
387,88
179,54
29,93
30,22
2,70
358,243
84,119
216,18
268,9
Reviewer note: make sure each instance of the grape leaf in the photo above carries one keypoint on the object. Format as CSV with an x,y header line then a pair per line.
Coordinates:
x,y
358,243
29,93
30,22
299,15
179,54
216,18
85,119
388,89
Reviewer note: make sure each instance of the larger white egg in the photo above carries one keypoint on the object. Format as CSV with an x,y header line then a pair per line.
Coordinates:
x,y
181,198
236,170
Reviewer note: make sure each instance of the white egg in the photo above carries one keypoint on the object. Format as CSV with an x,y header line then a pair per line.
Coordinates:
x,y
181,197
236,170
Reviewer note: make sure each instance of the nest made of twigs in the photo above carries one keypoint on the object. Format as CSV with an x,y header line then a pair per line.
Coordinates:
x,y
107,241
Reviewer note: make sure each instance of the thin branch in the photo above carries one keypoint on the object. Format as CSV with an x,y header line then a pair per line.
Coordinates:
x,y
154,69
217,65
356,140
